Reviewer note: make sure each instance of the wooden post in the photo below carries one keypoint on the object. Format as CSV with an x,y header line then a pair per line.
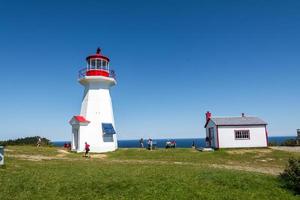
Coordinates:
x,y
298,137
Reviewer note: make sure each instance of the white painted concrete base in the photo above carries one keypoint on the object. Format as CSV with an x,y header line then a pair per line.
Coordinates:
x,y
97,108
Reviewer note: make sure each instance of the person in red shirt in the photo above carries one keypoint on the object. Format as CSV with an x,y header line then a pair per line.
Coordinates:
x,y
87,149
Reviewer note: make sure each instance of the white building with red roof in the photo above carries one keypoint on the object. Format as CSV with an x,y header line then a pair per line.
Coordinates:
x,y
95,124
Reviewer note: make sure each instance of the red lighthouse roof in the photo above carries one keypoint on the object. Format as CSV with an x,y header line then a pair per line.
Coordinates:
x,y
81,119
77,119
97,55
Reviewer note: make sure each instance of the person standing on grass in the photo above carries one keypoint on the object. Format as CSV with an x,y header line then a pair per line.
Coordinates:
x,y
193,144
142,143
39,142
150,144
87,149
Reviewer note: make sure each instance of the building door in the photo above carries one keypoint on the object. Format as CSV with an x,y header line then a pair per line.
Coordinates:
x,y
75,138
211,139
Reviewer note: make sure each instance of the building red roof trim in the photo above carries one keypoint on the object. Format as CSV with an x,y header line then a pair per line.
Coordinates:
x,y
241,125
81,119
97,56
206,123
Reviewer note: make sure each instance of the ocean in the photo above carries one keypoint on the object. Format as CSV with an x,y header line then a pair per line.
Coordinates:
x,y
181,143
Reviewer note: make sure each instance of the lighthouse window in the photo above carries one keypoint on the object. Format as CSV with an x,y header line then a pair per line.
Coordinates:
x,y
98,64
93,64
104,64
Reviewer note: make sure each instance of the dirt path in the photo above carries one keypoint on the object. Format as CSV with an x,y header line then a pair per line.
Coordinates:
x,y
36,157
60,156
285,148
62,153
268,170
264,170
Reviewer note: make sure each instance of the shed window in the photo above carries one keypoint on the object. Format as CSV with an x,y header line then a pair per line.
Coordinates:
x,y
242,134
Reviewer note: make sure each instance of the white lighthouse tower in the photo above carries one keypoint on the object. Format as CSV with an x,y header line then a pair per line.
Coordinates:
x,y
95,124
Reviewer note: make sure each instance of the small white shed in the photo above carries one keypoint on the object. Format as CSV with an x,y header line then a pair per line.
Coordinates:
x,y
235,132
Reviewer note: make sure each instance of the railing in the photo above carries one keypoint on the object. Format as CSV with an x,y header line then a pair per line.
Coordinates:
x,y
83,72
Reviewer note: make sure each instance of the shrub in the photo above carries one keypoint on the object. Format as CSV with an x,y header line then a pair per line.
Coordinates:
x,y
290,142
291,175
273,144
25,141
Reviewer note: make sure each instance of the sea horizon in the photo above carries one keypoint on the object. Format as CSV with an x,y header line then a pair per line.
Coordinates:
x,y
180,142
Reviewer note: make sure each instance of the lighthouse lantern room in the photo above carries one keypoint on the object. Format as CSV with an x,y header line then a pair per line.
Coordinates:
x,y
95,124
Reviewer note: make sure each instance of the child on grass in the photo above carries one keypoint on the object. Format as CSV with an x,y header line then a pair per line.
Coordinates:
x,y
87,149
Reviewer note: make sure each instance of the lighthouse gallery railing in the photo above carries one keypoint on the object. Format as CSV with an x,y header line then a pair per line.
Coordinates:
x,y
83,72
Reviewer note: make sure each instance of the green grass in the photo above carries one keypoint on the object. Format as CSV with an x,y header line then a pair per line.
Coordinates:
x,y
32,150
140,174
245,157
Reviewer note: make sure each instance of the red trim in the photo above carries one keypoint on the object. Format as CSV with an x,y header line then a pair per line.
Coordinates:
x,y
97,56
207,115
266,135
97,72
81,119
241,124
206,123
217,128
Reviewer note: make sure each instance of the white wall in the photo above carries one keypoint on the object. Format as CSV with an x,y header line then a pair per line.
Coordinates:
x,y
227,137
97,108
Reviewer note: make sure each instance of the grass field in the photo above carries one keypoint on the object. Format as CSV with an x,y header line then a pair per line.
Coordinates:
x,y
52,173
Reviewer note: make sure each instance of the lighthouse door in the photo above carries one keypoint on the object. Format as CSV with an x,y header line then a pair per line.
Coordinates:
x,y
75,138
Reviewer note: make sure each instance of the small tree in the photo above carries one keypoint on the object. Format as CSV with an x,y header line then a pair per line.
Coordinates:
x,y
291,175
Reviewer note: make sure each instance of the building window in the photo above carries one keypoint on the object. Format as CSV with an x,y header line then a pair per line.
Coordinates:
x,y
104,63
98,64
93,64
108,138
242,134
108,131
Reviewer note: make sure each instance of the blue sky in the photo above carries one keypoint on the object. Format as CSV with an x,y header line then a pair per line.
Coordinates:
x,y
174,61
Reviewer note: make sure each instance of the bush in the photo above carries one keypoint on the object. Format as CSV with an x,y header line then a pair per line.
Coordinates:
x,y
291,175
26,141
290,142
273,144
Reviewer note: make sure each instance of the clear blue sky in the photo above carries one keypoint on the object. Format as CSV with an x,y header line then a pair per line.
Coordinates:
x,y
174,61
